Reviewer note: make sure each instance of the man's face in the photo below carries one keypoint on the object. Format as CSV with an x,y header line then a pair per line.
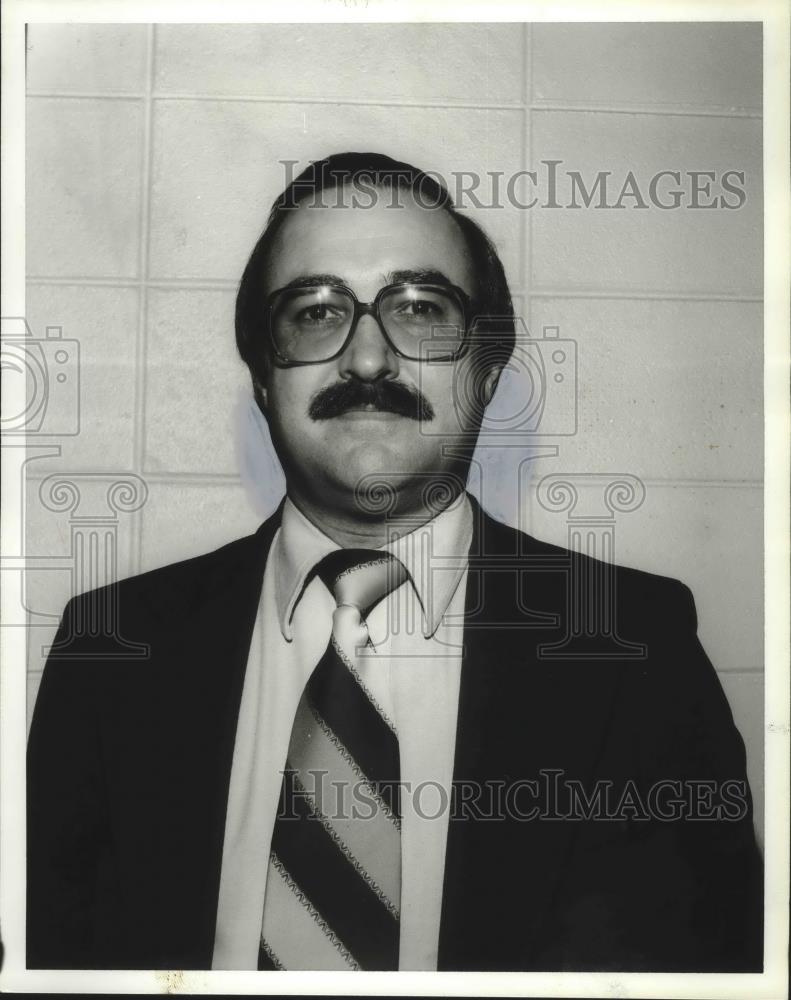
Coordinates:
x,y
366,248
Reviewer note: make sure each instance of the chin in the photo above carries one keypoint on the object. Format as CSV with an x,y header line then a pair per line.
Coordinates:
x,y
384,471
372,458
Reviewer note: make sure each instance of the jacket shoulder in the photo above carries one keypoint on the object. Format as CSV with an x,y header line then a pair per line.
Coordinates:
x,y
634,586
178,586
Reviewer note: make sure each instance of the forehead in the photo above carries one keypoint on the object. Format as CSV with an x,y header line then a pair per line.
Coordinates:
x,y
364,244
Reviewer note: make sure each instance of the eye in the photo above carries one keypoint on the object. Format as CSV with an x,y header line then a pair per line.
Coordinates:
x,y
318,313
419,306
311,314
423,307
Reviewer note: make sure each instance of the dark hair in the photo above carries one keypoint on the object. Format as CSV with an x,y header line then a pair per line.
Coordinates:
x,y
492,310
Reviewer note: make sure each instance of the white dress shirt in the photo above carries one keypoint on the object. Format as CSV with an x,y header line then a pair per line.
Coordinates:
x,y
417,635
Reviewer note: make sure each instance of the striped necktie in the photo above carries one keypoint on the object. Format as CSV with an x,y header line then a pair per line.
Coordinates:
x,y
334,878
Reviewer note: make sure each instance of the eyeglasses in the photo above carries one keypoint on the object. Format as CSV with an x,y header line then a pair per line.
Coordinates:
x,y
420,322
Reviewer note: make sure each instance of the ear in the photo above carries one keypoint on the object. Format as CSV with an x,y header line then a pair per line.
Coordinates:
x,y
259,392
488,384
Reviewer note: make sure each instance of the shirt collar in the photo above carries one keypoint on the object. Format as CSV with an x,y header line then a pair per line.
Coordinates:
x,y
434,555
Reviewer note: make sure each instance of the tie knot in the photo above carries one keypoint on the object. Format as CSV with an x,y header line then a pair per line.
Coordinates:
x,y
361,577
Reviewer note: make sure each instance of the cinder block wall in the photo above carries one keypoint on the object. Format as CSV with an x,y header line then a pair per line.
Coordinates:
x,y
153,154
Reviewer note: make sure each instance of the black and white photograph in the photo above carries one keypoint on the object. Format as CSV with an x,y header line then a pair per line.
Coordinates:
x,y
395,499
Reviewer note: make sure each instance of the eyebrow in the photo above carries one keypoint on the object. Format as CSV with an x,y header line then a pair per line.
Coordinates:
x,y
425,275
314,279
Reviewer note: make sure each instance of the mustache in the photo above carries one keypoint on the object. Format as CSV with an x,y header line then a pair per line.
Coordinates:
x,y
383,394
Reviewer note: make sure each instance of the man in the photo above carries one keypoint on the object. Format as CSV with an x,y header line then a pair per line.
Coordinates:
x,y
257,793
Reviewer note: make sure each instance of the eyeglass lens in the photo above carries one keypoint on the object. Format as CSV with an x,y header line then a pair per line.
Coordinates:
x,y
311,323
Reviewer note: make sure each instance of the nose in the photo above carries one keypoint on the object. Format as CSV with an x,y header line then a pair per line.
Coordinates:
x,y
368,356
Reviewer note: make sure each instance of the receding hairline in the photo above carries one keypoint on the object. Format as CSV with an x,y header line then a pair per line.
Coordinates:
x,y
279,221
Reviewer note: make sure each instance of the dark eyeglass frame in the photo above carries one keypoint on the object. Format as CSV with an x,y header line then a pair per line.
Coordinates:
x,y
371,309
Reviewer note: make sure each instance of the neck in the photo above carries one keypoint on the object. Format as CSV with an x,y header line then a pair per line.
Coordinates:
x,y
349,528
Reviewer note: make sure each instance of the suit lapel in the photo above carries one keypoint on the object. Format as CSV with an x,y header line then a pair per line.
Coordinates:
x,y
179,763
519,716
228,629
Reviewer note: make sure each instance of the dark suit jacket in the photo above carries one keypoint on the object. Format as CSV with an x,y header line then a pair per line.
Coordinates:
x,y
129,764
